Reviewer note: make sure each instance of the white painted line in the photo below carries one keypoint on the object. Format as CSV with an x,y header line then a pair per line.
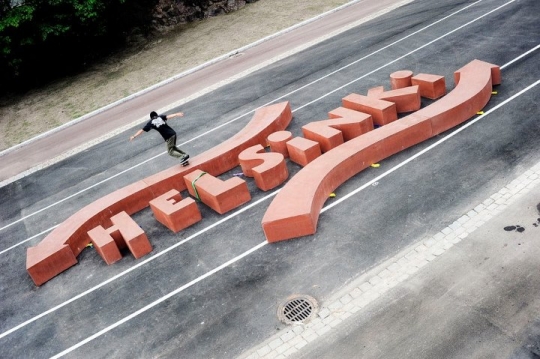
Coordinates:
x,y
28,239
376,282
520,57
260,245
250,112
140,264
160,300
407,54
186,240
78,193
442,140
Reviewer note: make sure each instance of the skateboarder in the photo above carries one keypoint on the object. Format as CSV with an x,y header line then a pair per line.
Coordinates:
x,y
159,123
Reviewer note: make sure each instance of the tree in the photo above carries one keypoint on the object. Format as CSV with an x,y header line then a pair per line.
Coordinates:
x,y
43,39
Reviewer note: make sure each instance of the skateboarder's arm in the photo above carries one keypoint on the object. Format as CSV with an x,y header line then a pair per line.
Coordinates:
x,y
135,135
178,114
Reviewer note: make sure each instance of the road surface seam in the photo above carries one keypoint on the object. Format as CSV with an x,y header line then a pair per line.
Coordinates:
x,y
381,279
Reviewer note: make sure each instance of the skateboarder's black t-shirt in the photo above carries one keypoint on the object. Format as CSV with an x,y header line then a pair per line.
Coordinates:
x,y
160,124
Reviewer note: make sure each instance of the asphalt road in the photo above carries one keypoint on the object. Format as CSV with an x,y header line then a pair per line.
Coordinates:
x,y
213,289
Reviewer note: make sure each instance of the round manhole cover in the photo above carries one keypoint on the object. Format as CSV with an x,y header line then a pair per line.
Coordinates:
x,y
297,309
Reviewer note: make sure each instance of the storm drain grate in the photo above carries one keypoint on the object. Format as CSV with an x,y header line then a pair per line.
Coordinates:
x,y
297,309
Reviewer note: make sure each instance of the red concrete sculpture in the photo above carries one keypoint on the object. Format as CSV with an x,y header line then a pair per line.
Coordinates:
x,y
401,79
174,212
268,169
407,99
221,196
58,251
375,91
303,151
342,112
278,142
332,133
431,86
124,232
294,212
383,112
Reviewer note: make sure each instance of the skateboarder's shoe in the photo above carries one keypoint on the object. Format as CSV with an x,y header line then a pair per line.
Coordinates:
x,y
184,160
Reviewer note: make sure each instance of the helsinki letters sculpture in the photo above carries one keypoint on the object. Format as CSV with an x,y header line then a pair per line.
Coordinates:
x,y
363,131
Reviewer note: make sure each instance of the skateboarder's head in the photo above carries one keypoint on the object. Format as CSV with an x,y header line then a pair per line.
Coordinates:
x,y
153,115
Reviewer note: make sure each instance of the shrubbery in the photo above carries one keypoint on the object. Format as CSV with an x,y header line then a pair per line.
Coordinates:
x,y
41,40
